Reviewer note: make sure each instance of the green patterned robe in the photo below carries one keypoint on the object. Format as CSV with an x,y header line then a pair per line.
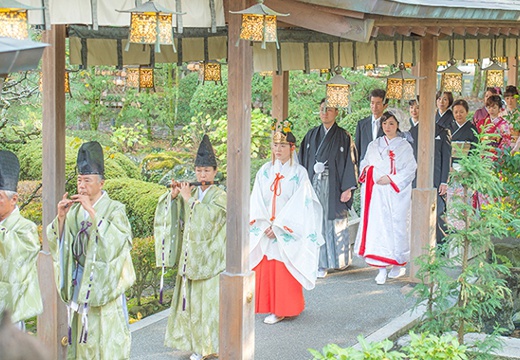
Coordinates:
x,y
107,258
192,235
19,248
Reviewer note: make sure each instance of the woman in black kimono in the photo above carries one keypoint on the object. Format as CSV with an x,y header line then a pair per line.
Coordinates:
x,y
463,136
462,131
444,115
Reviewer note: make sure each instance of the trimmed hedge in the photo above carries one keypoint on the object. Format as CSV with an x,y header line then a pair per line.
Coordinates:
x,y
117,165
140,199
123,163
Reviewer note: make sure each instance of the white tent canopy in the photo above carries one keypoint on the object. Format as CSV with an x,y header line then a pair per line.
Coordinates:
x,y
103,12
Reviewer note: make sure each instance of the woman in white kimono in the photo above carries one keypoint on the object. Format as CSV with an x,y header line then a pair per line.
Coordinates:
x,y
386,174
285,232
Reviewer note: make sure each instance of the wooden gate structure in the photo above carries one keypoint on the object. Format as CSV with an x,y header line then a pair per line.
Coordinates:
x,y
370,31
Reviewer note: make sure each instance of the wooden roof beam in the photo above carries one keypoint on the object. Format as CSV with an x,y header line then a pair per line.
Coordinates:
x,y
403,30
433,30
494,31
447,31
387,30
472,31
483,31
419,30
514,31
375,31
460,30
311,17
505,31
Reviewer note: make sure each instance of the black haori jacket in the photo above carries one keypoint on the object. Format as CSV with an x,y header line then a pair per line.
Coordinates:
x,y
339,151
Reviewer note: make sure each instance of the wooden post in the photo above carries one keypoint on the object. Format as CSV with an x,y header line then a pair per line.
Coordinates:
x,y
280,96
512,73
424,197
237,282
52,323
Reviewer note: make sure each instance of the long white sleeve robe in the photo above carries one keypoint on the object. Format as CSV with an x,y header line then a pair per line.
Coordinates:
x,y
295,215
383,237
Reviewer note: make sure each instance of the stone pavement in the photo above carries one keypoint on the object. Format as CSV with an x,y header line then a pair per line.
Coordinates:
x,y
342,306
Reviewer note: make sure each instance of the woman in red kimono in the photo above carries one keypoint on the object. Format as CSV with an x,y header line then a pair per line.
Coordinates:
x,y
498,129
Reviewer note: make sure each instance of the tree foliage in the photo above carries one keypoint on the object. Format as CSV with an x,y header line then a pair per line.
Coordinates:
x,y
460,302
20,111
422,347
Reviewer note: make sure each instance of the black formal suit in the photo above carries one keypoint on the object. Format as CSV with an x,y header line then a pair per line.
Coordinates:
x,y
441,170
364,136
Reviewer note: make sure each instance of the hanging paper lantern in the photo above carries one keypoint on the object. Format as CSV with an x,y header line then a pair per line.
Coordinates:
x,y
259,24
151,24
337,90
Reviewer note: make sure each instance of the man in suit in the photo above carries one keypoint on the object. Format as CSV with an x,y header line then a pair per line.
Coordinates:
x,y
369,128
441,171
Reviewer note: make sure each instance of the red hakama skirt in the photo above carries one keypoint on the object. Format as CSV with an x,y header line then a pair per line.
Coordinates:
x,y
277,291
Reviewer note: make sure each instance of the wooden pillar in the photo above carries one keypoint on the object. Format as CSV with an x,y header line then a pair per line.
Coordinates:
x,y
280,96
424,197
52,323
512,73
237,282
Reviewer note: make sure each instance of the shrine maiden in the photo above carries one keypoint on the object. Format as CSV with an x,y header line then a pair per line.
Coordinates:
x,y
285,232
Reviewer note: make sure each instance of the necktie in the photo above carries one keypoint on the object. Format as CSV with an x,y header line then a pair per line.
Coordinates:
x,y
375,128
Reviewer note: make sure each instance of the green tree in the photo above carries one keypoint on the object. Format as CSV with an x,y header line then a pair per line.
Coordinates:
x,y
216,128
93,86
459,302
20,110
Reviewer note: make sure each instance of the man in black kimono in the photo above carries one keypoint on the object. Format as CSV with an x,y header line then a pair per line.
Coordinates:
x,y
441,171
328,154
369,128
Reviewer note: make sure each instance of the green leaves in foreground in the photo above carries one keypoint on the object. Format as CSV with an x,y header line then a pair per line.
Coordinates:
x,y
422,347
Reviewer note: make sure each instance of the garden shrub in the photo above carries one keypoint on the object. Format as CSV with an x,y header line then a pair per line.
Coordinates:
x,y
154,166
369,351
127,165
182,172
127,138
33,212
30,156
140,199
143,259
422,347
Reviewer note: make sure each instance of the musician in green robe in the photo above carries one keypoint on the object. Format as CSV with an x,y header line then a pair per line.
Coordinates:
x,y
190,233
19,248
90,242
